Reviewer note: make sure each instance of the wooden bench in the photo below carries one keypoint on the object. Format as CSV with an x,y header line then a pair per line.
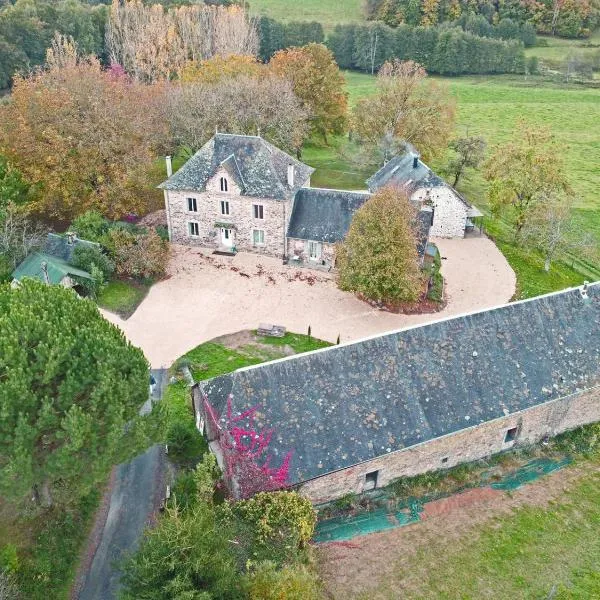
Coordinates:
x,y
268,330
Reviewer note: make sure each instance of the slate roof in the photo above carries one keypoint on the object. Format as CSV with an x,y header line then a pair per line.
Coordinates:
x,y
257,165
324,215
340,406
57,268
400,171
58,246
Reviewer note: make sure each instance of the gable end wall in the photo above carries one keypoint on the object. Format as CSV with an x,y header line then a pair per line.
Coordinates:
x,y
468,445
450,213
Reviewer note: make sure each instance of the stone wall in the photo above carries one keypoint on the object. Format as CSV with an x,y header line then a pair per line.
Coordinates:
x,y
240,218
467,445
297,247
450,212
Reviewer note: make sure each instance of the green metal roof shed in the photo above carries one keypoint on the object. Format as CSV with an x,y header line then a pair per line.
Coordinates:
x,y
57,268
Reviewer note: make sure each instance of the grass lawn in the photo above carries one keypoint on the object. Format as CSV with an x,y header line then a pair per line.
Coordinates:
x,y
327,13
535,552
491,107
122,296
230,352
555,50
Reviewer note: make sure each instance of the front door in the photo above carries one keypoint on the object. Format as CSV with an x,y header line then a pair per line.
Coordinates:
x,y
227,237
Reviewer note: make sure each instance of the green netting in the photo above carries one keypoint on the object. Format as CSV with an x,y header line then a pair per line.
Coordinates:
x,y
532,471
397,512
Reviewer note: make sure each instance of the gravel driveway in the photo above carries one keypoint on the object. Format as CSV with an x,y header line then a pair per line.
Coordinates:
x,y
207,296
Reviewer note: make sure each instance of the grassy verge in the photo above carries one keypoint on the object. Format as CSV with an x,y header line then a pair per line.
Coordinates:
x,y
48,547
214,358
122,296
536,552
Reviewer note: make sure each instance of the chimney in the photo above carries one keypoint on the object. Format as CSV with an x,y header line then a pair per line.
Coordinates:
x,y
169,166
290,176
415,161
71,237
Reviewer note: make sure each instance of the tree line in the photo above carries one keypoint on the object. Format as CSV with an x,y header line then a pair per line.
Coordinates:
x,y
443,49
148,39
566,18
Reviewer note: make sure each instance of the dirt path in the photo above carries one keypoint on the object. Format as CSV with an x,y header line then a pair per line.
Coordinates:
x,y
366,565
207,296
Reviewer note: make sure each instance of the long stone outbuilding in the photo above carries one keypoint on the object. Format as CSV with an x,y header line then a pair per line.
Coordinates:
x,y
357,416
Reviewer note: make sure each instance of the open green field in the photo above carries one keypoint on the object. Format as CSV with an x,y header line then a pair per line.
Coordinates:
x,y
491,107
555,50
326,12
533,550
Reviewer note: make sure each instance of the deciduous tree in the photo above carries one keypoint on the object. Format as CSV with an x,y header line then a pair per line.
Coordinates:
x,y
552,229
71,390
406,107
378,259
246,105
84,137
318,83
468,154
525,172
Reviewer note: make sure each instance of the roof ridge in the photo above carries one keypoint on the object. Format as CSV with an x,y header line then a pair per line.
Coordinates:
x,y
418,326
321,189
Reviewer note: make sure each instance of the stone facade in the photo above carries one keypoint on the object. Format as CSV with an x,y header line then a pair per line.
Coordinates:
x,y
298,254
450,212
240,221
467,445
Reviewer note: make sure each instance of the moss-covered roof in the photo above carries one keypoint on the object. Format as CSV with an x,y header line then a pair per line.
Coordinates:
x,y
57,268
341,406
257,165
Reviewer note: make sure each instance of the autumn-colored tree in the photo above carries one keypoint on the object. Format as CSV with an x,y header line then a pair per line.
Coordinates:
x,y
152,43
242,104
379,259
406,107
84,137
525,172
143,254
468,154
318,83
221,67
552,229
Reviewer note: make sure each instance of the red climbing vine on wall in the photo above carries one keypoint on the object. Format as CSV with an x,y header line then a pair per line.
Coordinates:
x,y
245,451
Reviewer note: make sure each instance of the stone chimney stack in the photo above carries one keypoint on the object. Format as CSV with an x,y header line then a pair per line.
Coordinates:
x,y
290,176
169,166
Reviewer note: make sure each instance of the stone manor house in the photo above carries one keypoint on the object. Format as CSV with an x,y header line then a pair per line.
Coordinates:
x,y
356,416
240,192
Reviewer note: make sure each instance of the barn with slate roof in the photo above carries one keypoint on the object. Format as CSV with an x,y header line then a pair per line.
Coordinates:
x,y
359,415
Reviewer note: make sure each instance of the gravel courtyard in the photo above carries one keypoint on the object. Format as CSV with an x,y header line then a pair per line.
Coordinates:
x,y
206,296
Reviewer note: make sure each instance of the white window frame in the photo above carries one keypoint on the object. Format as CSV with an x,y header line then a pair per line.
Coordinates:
x,y
224,184
258,211
319,247
254,232
191,227
192,204
225,208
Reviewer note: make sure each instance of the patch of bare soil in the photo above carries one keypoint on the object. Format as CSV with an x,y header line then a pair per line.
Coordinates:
x,y
362,565
244,339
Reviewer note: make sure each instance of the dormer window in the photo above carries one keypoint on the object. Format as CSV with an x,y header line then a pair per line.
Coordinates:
x,y
223,184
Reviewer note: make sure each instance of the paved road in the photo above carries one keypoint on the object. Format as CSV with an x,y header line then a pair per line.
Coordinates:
x,y
136,492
